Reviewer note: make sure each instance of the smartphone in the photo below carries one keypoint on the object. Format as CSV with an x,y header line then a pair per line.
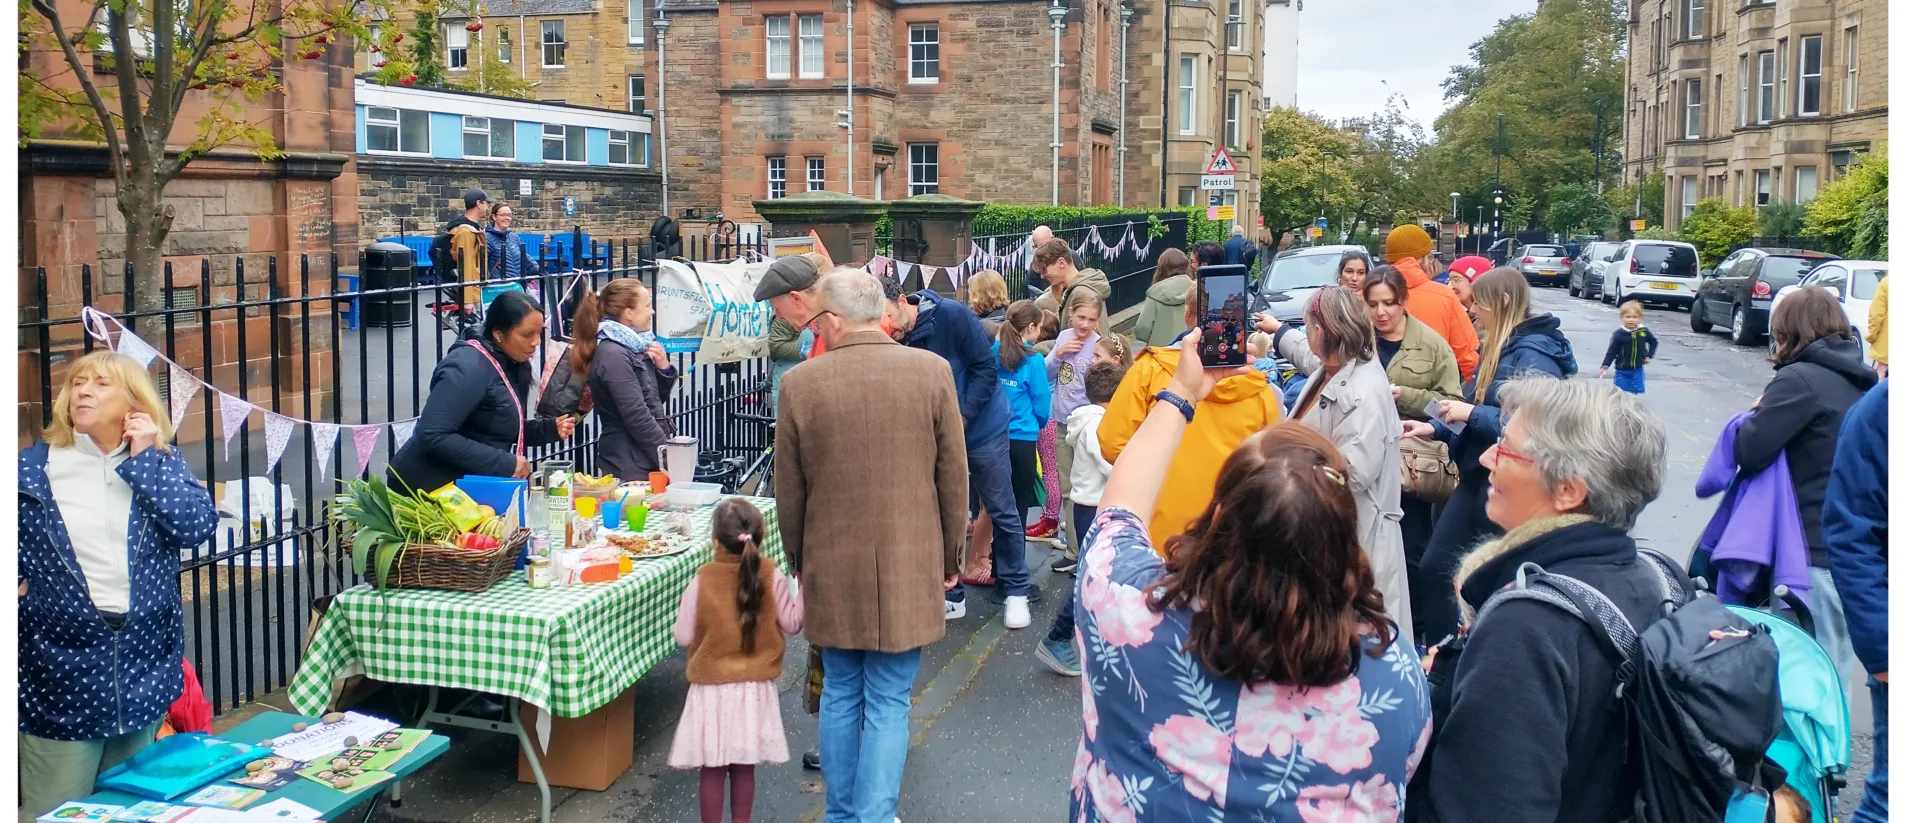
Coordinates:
x,y
1223,316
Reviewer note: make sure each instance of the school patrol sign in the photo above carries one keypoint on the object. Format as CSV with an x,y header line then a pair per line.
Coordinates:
x,y
1220,172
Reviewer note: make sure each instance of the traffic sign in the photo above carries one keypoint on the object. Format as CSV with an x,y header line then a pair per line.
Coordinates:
x,y
1321,222
1220,212
1313,232
1216,182
1222,163
1639,225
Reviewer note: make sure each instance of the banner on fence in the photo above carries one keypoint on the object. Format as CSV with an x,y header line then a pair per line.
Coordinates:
x,y
708,309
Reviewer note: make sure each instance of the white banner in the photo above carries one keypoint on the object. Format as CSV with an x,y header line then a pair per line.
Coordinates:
x,y
709,308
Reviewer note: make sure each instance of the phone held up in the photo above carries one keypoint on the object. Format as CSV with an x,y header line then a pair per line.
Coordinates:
x,y
1223,316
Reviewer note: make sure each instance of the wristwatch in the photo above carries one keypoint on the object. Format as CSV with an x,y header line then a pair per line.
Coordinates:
x,y
1178,402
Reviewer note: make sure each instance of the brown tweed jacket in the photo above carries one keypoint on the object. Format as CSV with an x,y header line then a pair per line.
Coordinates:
x,y
870,468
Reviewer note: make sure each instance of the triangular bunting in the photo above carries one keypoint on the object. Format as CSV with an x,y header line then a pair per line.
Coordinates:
x,y
132,346
820,247
279,431
233,415
402,432
324,436
181,387
364,437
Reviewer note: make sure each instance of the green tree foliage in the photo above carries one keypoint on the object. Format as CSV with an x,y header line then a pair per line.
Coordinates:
x,y
1575,208
425,50
1714,228
1851,213
1782,219
1306,169
487,74
1645,200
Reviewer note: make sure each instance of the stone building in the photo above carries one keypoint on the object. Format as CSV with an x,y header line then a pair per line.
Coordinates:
x,y
1197,84
1752,101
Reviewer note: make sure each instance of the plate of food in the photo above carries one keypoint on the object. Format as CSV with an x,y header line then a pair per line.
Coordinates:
x,y
648,546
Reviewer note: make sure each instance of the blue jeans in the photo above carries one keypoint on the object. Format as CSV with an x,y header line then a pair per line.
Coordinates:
x,y
1830,622
1633,381
990,474
1062,628
863,731
1873,801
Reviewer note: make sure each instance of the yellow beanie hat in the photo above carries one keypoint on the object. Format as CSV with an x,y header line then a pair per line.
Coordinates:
x,y
1407,241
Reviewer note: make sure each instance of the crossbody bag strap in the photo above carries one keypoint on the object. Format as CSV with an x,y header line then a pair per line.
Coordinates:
x,y
519,413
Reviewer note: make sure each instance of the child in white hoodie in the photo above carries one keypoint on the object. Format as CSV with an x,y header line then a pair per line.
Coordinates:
x,y
1087,482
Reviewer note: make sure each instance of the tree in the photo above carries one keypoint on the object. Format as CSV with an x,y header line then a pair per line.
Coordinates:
x,y
1851,212
1714,228
1306,170
488,74
1575,208
1782,219
1644,200
425,49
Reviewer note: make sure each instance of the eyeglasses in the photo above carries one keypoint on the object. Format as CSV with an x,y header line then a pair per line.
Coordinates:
x,y
1502,454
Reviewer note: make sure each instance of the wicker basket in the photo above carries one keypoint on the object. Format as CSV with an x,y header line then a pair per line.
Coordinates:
x,y
424,566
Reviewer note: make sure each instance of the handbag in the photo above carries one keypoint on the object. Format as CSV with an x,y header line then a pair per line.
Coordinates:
x,y
1427,470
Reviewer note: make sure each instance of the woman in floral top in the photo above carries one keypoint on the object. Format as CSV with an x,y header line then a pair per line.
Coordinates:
x,y
1289,695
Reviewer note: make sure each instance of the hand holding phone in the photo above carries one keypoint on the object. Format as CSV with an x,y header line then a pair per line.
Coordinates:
x,y
1223,316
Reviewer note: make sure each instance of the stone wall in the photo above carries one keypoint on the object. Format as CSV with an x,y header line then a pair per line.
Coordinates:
x,y
692,120
419,196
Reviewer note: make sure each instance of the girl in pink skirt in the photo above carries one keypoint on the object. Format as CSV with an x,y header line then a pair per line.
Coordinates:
x,y
732,620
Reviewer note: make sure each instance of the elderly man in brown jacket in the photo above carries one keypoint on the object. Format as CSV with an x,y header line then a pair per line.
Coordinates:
x,y
872,473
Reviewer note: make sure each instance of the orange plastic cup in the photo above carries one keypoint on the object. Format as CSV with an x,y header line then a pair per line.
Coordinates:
x,y
659,482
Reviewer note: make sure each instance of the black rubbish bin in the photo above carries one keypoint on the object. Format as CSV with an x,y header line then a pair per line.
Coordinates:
x,y
387,266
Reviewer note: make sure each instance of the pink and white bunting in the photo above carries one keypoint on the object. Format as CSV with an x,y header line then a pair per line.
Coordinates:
x,y
279,431
181,387
325,435
233,415
132,346
364,438
402,432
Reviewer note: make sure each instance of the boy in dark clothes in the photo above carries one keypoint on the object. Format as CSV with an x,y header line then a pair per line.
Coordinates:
x,y
1632,347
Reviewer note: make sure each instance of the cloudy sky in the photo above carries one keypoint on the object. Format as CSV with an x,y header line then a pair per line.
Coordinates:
x,y
1347,47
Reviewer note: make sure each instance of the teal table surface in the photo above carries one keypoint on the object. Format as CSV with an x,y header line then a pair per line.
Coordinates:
x,y
328,801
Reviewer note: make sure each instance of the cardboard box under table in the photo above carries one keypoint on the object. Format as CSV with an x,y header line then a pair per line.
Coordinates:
x,y
568,653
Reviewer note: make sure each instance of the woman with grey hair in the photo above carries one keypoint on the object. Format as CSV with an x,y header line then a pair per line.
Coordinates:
x,y
1349,399
1526,723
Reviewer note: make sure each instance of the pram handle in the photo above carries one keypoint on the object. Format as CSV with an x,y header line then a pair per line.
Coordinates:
x,y
1801,614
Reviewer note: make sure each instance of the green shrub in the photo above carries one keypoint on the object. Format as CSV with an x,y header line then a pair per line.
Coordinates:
x,y
1004,219
1782,219
1851,212
1714,228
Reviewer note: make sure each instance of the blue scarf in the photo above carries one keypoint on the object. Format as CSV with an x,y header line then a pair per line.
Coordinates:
x,y
635,341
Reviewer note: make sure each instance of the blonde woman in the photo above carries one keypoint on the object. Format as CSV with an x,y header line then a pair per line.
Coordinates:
x,y
106,507
987,297
1518,342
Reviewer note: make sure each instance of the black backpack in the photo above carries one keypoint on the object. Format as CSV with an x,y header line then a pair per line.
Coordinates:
x,y
1701,684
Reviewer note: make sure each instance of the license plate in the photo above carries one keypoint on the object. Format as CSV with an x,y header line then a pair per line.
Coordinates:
x,y
1665,286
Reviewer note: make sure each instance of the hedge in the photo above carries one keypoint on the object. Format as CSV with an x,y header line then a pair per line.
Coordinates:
x,y
1002,219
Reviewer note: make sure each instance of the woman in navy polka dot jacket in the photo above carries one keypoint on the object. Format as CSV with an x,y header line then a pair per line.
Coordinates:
x,y
106,506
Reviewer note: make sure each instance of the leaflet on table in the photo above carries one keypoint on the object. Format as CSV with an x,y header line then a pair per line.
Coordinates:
x,y
82,813
357,777
319,741
224,797
274,774
282,809
149,811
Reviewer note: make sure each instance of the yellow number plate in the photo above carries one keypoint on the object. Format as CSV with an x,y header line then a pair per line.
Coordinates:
x,y
1665,286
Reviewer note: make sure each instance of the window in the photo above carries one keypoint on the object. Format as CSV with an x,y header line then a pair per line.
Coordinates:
x,y
1102,172
563,144
1764,67
1233,121
816,174
457,46
1689,194
776,178
923,53
1866,282
553,43
1188,195
1691,128
636,22
486,138
506,45
373,45
1740,102
636,93
1696,20
923,168
1810,57
779,47
1806,183
1853,68
1189,71
813,45
1762,187
400,131
620,149
1236,21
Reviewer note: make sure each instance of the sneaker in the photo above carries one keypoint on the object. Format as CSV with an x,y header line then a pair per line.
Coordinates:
x,y
1067,564
810,760
1045,529
1016,616
1062,656
955,611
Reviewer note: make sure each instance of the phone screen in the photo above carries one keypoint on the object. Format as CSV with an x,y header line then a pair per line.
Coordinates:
x,y
1223,316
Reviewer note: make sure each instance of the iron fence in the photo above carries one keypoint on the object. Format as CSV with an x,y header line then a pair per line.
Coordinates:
x,y
287,341
1130,272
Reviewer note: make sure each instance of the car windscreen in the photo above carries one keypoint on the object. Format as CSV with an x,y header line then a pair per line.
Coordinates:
x,y
1545,251
1781,270
1602,251
1302,271
1666,261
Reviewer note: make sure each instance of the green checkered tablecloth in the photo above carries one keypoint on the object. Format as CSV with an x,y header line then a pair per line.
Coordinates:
x,y
567,649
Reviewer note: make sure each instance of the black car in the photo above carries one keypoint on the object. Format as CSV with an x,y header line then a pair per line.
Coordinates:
x,y
1739,292
1588,266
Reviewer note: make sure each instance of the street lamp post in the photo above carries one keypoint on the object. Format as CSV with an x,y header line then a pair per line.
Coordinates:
x,y
1126,22
1456,205
660,108
1480,229
1057,13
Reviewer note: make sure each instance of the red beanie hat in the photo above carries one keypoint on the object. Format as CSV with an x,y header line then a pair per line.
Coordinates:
x,y
1470,267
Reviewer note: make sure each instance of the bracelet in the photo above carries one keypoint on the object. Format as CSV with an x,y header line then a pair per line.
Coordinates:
x,y
1178,402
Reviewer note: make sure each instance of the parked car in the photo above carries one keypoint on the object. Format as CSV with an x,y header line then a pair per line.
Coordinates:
x,y
1652,271
1739,292
1854,282
1543,263
1584,279
1296,273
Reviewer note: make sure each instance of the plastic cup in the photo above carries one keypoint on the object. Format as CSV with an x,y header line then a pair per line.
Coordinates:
x,y
637,517
588,507
659,482
610,516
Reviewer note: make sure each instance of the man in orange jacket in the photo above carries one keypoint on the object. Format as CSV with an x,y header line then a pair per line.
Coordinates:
x,y
1407,249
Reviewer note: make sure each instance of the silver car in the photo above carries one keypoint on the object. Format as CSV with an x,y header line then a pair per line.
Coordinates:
x,y
1543,263
1297,273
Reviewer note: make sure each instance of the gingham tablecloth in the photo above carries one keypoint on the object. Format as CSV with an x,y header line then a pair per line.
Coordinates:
x,y
566,649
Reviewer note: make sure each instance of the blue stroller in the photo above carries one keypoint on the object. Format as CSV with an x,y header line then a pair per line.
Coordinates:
x,y
1816,745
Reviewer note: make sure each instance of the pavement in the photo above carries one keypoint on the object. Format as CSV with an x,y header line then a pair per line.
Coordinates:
x,y
994,732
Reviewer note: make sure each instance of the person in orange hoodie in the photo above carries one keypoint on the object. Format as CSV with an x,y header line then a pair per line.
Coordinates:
x,y
1408,248
1238,407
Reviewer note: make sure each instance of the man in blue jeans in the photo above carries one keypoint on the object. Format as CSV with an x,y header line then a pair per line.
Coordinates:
x,y
872,472
925,320
1855,523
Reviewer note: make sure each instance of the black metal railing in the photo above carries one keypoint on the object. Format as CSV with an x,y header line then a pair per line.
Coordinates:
x,y
288,343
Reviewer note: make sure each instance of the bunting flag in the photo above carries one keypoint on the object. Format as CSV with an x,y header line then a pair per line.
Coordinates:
x,y
819,247
181,387
364,438
233,415
279,431
324,436
402,432
132,346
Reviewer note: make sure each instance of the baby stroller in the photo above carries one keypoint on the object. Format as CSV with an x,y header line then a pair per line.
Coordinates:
x,y
1815,746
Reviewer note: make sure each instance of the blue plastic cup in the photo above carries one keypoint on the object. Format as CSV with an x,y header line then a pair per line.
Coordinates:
x,y
610,515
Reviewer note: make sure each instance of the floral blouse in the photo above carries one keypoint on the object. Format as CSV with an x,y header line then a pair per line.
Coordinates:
x,y
1167,740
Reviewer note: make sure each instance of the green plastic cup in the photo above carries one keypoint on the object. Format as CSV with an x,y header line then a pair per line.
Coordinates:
x,y
637,517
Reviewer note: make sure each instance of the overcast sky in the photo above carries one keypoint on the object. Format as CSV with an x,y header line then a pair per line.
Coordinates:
x,y
1347,47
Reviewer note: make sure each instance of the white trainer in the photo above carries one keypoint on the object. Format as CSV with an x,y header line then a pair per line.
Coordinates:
x,y
955,611
1016,615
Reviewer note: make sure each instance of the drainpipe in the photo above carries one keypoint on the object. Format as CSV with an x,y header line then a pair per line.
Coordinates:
x,y
849,112
1126,20
1058,13
523,47
660,108
1626,101
1166,89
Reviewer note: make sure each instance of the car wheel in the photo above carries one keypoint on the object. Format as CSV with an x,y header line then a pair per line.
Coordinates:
x,y
1697,318
1588,290
1609,299
1573,290
1743,331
